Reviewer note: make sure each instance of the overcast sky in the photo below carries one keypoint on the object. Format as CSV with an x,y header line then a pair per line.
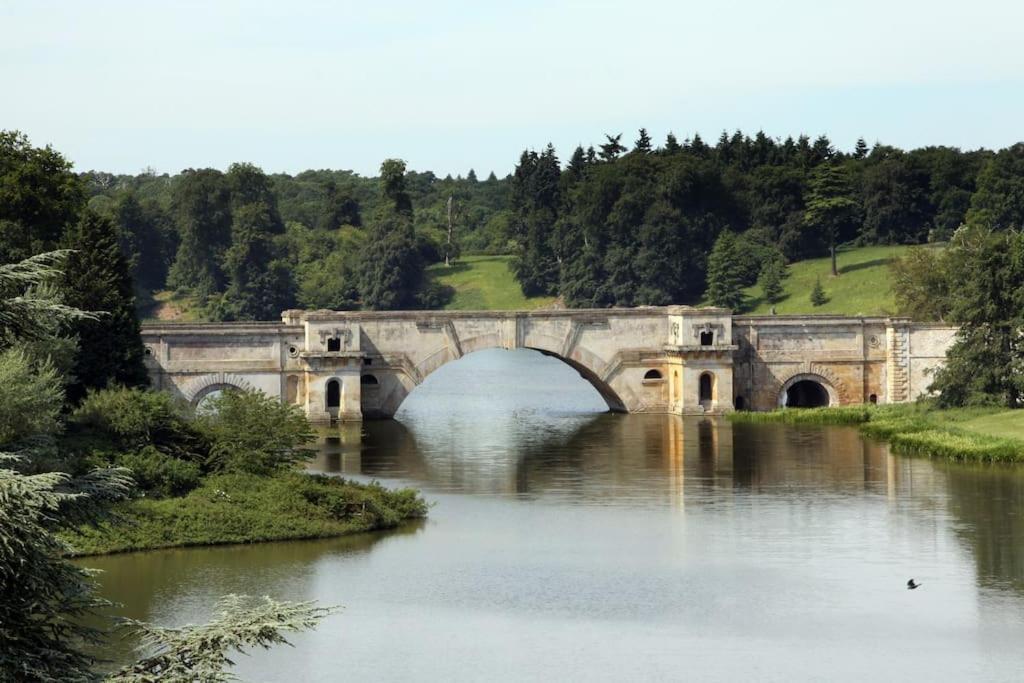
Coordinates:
x,y
450,86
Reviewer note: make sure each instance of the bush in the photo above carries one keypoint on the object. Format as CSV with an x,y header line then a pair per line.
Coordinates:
x,y
129,420
252,432
158,473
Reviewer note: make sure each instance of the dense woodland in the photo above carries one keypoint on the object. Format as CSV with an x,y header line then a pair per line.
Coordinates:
x,y
609,226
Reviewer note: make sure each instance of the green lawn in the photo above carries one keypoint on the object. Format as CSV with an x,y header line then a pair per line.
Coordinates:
x,y
484,283
1008,424
862,288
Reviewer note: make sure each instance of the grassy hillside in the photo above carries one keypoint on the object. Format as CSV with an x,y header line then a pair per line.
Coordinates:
x,y
862,288
484,283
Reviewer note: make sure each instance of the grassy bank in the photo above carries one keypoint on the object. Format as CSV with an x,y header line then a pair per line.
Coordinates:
x,y
245,508
979,434
484,283
864,285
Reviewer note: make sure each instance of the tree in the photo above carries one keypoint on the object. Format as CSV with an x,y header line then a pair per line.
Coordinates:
x,y
96,279
200,653
643,142
252,432
895,192
770,279
145,242
725,286
998,202
672,144
536,198
39,196
339,208
818,296
201,204
391,268
986,362
921,284
831,207
860,150
260,284
611,149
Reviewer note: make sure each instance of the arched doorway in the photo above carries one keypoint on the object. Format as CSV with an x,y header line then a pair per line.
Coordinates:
x,y
333,397
807,393
706,390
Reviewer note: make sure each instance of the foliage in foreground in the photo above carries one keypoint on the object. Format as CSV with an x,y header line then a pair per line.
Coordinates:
x,y
245,508
43,597
201,653
912,429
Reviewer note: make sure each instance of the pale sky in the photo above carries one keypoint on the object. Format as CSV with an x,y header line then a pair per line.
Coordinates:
x,y
448,86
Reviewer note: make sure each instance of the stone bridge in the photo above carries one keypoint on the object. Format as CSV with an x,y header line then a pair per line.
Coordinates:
x,y
674,359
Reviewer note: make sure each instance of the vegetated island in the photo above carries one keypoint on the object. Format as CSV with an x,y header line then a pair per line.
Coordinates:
x,y
978,434
227,476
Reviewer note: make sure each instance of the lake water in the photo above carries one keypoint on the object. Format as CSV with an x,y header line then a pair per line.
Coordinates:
x,y
569,544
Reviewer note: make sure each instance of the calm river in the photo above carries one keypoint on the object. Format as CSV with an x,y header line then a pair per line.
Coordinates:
x,y
568,544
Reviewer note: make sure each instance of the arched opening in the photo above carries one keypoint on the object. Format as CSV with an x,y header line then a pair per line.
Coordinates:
x,y
333,397
292,389
333,344
807,393
652,374
369,380
707,338
740,403
500,384
873,398
706,390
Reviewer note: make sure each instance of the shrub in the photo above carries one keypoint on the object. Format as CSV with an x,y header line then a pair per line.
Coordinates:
x,y
252,432
123,419
158,473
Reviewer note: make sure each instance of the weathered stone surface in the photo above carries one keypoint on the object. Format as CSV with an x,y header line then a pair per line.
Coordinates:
x,y
675,359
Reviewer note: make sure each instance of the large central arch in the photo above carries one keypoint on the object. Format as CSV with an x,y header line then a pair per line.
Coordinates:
x,y
808,389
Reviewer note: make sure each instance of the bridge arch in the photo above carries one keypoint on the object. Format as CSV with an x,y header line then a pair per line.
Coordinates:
x,y
197,389
391,394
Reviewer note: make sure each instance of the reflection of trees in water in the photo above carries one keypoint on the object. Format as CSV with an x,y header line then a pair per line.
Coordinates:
x,y
988,501
181,585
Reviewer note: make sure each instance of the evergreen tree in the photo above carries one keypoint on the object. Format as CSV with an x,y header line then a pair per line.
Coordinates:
x,y
725,285
392,176
831,208
144,239
998,202
643,142
96,279
861,149
770,279
672,144
536,200
611,149
471,176
818,297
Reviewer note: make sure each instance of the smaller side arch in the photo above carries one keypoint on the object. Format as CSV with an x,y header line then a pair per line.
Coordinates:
x,y
197,389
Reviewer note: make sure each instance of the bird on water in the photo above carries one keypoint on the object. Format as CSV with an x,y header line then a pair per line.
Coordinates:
x,y
911,585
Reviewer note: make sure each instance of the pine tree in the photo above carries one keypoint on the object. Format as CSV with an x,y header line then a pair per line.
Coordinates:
x,y
770,280
672,144
861,149
818,297
643,142
96,278
612,148
725,285
260,285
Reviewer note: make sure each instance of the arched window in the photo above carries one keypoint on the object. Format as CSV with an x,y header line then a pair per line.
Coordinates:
x,y
741,403
873,398
333,394
333,344
707,338
652,374
368,380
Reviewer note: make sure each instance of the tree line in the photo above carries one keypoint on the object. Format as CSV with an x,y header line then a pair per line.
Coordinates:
x,y
688,221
